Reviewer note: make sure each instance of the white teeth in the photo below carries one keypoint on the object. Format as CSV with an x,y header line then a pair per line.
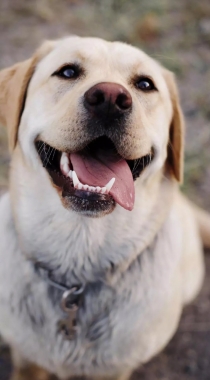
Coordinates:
x,y
70,174
104,190
110,184
64,158
65,168
75,179
64,163
78,185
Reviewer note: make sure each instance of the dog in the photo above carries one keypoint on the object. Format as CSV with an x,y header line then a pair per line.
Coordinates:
x,y
99,249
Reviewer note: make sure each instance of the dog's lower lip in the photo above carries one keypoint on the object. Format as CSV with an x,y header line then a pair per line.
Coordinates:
x,y
88,195
85,202
69,190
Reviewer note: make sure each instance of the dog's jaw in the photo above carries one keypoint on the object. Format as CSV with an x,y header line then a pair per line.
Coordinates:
x,y
37,206
92,181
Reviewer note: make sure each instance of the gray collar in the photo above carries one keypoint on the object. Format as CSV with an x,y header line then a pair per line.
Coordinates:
x,y
71,300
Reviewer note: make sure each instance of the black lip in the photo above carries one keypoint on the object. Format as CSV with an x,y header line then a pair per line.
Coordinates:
x,y
87,203
68,190
84,202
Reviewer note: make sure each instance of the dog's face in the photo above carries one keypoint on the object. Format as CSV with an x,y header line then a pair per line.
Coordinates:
x,y
98,116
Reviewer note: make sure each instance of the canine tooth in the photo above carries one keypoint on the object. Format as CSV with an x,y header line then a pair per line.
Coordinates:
x,y
70,174
110,184
75,179
104,190
64,163
65,168
80,186
64,158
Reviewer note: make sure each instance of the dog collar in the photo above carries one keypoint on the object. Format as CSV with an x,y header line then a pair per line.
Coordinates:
x,y
71,299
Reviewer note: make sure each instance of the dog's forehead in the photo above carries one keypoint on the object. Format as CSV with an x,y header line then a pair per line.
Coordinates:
x,y
100,53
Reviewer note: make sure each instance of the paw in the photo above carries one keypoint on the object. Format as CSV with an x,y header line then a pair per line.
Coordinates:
x,y
31,373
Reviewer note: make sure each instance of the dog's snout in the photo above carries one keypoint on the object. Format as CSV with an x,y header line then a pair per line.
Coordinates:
x,y
108,99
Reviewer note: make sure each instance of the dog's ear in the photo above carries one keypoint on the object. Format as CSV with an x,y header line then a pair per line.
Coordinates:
x,y
13,88
175,158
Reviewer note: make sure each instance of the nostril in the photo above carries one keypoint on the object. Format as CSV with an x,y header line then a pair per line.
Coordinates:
x,y
124,101
95,98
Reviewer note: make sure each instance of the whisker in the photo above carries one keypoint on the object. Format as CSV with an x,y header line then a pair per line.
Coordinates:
x,y
136,163
41,147
53,154
52,150
47,156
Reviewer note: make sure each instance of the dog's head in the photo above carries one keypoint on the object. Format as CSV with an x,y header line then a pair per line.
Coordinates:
x,y
98,116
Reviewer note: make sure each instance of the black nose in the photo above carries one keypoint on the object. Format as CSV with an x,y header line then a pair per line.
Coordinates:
x,y
108,99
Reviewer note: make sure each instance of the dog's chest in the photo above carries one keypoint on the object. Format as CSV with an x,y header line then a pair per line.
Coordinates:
x,y
112,317
115,320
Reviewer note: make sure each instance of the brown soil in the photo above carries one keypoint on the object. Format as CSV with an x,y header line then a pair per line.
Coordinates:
x,y
176,32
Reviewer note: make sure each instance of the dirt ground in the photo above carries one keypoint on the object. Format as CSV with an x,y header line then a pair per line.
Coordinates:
x,y
177,33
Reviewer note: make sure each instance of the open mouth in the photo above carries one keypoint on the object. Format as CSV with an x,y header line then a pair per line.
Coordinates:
x,y
94,179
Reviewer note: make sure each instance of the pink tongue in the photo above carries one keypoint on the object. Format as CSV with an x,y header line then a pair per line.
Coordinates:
x,y
98,170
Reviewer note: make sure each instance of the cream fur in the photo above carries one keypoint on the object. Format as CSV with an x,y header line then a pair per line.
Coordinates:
x,y
155,249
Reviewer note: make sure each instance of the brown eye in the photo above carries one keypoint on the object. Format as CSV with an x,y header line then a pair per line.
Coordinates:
x,y
68,72
145,84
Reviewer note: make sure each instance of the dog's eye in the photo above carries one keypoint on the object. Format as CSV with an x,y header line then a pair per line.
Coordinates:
x,y
68,72
145,84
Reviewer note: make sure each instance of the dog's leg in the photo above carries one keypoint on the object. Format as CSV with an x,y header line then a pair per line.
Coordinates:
x,y
30,372
25,371
124,376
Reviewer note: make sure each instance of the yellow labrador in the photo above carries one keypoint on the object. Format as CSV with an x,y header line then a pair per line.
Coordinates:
x,y
99,251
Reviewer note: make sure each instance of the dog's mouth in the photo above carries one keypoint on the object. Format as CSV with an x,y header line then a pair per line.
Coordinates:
x,y
95,178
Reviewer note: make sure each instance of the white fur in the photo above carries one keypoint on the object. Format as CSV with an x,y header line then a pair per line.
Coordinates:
x,y
155,250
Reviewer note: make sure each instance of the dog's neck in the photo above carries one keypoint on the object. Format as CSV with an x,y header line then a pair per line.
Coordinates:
x,y
84,248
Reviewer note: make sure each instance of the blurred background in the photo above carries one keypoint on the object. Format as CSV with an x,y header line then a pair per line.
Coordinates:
x,y
177,33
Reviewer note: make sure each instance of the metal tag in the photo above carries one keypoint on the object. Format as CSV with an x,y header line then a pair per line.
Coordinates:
x,y
70,304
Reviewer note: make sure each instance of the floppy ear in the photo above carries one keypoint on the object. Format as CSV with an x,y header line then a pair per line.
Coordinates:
x,y
175,158
13,88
